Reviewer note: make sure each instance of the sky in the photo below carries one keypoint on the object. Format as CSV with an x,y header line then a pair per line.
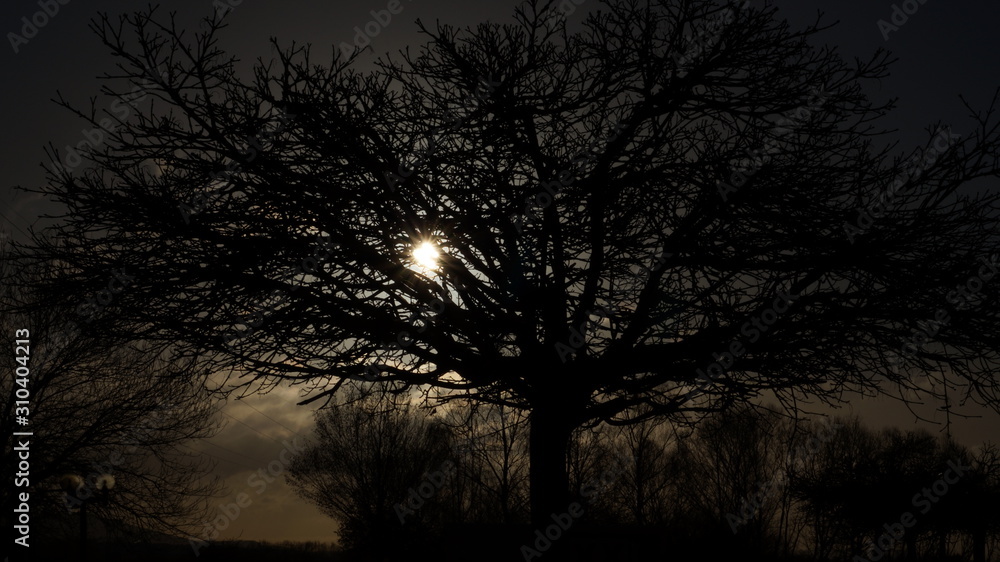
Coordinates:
x,y
943,48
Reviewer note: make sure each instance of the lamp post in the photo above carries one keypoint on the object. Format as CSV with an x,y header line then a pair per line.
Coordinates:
x,y
75,486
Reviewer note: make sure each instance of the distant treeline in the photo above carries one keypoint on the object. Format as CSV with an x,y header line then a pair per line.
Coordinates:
x,y
750,482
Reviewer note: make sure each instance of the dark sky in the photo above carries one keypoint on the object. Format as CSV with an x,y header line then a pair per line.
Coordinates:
x,y
944,49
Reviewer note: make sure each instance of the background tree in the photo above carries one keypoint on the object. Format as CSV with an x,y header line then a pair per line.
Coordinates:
x,y
728,486
644,490
820,479
862,480
98,408
682,206
490,445
367,458
980,520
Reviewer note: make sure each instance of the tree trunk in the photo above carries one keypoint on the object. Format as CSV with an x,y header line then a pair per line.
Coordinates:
x,y
979,543
548,442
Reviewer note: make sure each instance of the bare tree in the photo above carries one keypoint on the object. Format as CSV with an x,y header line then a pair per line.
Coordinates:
x,y
982,522
821,482
859,484
491,448
680,207
644,492
369,464
727,476
94,408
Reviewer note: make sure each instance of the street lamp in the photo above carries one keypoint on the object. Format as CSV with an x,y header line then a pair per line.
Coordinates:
x,y
75,486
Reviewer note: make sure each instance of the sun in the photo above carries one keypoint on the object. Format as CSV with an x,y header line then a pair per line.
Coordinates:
x,y
426,256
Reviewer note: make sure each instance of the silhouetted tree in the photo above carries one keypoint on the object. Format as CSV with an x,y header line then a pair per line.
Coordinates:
x,y
681,206
820,480
643,493
862,482
491,448
728,477
375,466
982,520
92,408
